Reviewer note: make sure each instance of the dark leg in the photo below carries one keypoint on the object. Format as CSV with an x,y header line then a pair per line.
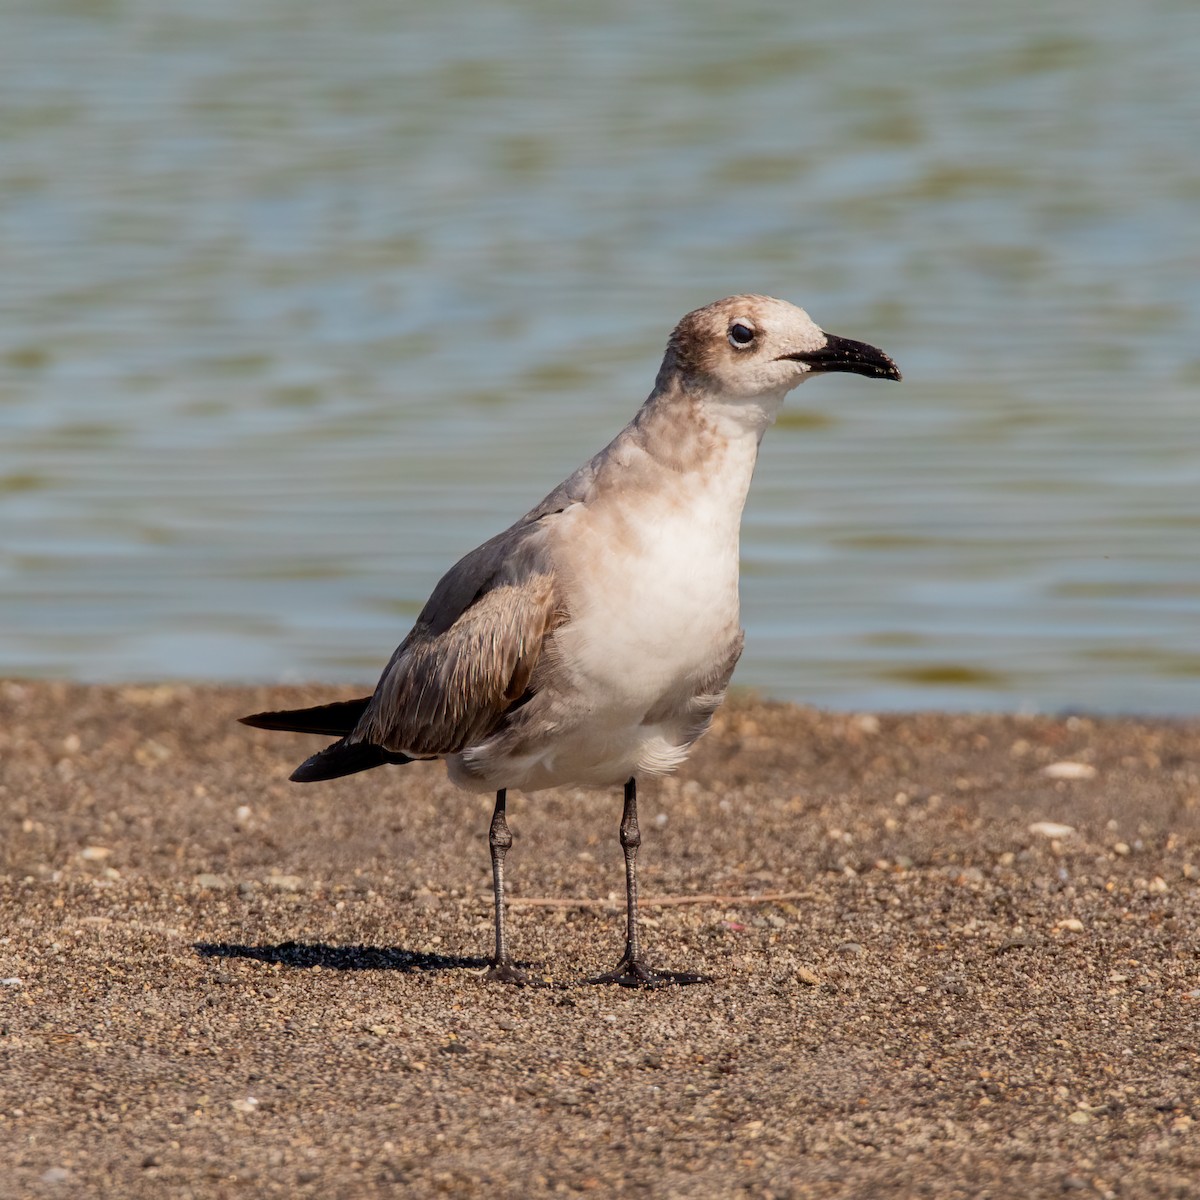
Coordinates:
x,y
632,971
503,969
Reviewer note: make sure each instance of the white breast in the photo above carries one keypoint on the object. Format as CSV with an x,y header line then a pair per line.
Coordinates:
x,y
654,585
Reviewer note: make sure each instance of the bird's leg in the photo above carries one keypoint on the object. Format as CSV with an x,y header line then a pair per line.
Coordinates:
x,y
503,969
632,971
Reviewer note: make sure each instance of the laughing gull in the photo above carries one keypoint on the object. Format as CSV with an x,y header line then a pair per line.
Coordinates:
x,y
592,642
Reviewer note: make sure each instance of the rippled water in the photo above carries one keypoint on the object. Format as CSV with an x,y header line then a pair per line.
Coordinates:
x,y
300,301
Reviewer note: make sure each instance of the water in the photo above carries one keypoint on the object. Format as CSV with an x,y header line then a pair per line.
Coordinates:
x,y
299,301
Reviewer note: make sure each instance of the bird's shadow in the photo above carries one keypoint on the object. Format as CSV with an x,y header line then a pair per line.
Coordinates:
x,y
340,958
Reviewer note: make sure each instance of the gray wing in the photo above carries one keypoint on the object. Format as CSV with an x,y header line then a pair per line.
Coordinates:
x,y
470,655
472,650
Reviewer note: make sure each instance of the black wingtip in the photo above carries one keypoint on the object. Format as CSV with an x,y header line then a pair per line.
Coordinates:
x,y
344,759
330,720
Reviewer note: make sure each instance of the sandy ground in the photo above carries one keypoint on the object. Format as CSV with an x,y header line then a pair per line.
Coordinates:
x,y
216,983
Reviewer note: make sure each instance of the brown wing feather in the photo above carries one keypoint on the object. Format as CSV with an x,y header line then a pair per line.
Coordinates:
x,y
444,691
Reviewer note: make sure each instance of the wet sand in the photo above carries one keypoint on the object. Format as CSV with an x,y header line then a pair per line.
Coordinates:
x,y
217,983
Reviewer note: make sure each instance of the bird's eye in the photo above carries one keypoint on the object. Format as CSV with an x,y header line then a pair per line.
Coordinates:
x,y
740,335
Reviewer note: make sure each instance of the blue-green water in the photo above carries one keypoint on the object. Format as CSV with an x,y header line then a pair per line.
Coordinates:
x,y
300,301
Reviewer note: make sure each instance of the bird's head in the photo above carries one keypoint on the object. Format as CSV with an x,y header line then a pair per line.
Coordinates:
x,y
754,349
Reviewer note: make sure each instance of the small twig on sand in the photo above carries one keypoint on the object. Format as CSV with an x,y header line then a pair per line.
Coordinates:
x,y
659,901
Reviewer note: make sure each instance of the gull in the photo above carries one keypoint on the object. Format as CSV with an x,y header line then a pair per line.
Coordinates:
x,y
590,643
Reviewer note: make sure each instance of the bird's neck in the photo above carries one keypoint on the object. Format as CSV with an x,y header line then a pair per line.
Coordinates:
x,y
689,429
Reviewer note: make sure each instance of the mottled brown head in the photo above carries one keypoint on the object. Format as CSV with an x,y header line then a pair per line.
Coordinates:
x,y
747,347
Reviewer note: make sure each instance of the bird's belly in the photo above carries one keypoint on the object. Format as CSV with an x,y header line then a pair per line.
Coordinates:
x,y
595,753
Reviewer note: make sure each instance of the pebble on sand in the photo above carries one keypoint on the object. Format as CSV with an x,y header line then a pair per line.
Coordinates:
x,y
1051,829
1069,770
284,883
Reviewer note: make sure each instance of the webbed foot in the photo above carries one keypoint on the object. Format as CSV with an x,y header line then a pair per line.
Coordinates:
x,y
509,972
633,973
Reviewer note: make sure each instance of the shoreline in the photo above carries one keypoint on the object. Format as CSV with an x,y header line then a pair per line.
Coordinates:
x,y
953,955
